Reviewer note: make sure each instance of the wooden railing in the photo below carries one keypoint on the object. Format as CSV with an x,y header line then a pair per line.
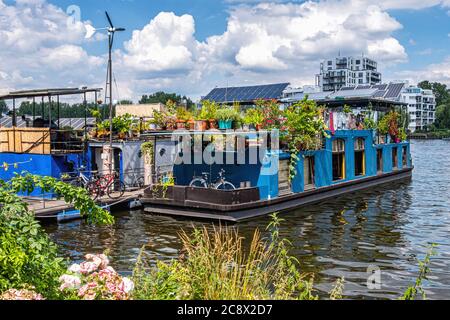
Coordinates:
x,y
25,140
38,141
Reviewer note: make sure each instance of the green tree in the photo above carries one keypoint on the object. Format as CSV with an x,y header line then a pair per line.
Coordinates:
x,y
440,90
443,116
125,102
163,97
3,107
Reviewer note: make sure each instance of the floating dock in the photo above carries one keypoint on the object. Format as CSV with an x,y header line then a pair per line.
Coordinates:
x,y
58,210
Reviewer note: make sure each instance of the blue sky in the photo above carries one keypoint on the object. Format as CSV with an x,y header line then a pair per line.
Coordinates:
x,y
191,46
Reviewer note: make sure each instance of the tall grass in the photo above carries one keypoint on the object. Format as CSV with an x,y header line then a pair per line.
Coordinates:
x,y
215,266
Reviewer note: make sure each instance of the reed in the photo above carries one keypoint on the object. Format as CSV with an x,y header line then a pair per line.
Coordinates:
x,y
215,266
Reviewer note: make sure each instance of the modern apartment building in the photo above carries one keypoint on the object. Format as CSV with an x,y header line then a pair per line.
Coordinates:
x,y
421,107
347,72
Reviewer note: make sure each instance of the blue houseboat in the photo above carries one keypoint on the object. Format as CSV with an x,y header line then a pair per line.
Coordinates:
x,y
350,160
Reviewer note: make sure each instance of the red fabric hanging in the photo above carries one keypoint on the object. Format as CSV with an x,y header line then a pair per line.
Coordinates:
x,y
332,123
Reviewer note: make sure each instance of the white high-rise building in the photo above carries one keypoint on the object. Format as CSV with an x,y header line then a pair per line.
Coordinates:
x,y
347,72
421,107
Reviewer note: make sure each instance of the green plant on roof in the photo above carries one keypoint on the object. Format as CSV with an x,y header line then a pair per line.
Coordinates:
x,y
183,114
226,114
347,109
254,116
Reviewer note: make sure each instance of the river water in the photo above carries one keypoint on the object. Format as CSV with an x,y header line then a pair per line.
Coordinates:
x,y
387,228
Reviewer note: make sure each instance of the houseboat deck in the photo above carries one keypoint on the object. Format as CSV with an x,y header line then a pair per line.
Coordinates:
x,y
179,203
52,209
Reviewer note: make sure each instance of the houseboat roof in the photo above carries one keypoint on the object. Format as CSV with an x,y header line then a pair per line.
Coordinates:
x,y
52,92
247,94
74,123
380,95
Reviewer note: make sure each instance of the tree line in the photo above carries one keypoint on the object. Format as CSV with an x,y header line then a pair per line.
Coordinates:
x,y
77,110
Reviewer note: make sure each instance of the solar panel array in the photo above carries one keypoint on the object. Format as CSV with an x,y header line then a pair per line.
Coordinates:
x,y
394,90
386,91
247,94
74,123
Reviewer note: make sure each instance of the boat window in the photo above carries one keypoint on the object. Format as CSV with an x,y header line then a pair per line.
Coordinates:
x,y
379,161
360,157
308,173
405,156
394,159
338,160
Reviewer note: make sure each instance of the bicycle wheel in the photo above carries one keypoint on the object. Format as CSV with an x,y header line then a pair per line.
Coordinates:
x,y
198,183
75,183
140,182
225,186
93,190
116,189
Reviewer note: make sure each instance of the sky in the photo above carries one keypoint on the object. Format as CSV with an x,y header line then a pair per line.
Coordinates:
x,y
192,46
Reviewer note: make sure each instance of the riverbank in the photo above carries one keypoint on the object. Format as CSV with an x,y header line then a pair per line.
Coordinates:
x,y
434,135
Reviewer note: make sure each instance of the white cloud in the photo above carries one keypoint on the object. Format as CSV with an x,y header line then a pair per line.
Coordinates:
x,y
439,72
263,42
167,43
42,47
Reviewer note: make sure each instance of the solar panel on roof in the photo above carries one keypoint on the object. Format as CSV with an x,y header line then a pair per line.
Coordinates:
x,y
394,90
347,88
380,86
247,94
379,94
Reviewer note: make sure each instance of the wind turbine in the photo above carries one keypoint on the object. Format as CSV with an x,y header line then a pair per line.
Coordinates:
x,y
90,31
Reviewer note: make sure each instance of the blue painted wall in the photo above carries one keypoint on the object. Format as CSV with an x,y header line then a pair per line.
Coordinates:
x,y
44,165
265,174
324,158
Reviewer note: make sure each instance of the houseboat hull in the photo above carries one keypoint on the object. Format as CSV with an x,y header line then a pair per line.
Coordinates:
x,y
185,205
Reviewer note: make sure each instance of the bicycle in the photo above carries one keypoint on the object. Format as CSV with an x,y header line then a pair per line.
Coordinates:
x,y
83,181
221,184
111,185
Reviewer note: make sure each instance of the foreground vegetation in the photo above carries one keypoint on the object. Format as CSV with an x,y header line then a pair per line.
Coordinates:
x,y
212,265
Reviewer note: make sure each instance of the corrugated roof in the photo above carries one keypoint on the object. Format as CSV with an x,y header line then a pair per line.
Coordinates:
x,y
74,123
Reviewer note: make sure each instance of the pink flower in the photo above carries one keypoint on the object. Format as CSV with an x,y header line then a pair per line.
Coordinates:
x,y
75,268
88,267
69,282
127,285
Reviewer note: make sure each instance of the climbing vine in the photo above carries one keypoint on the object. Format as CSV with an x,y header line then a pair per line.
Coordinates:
x,y
27,183
306,128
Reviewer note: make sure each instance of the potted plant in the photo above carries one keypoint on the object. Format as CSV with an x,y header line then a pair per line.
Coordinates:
x,y
211,108
183,116
171,122
254,117
122,125
102,129
225,116
201,119
383,129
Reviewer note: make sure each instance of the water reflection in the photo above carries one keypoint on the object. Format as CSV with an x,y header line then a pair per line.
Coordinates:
x,y
386,227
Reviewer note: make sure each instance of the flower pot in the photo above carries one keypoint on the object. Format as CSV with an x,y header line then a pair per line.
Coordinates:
x,y
225,124
190,125
170,126
122,135
181,125
201,125
213,124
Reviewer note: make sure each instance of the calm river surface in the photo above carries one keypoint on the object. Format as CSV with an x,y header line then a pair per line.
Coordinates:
x,y
388,227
